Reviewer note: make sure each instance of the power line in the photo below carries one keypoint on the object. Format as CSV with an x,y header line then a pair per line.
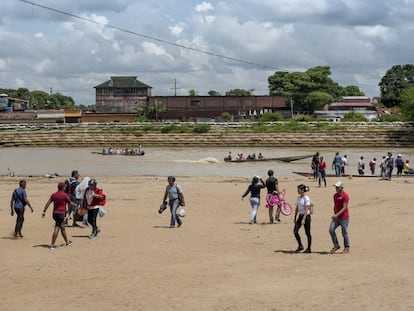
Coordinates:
x,y
149,37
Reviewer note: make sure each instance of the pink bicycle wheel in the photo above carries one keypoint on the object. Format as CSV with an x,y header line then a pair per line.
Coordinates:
x,y
286,209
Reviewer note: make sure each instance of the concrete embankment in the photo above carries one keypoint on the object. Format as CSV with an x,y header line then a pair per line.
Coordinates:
x,y
129,135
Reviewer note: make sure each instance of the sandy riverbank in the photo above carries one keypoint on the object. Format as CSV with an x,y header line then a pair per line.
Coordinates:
x,y
215,261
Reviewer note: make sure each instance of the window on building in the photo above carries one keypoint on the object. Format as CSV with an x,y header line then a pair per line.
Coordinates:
x,y
195,103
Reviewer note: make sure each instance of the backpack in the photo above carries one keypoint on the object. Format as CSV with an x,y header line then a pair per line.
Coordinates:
x,y
71,184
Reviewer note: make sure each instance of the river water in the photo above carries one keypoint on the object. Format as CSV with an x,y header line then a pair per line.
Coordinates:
x,y
193,162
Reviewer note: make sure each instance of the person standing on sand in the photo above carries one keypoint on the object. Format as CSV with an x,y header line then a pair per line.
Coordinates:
x,y
322,171
340,217
337,164
361,166
175,195
390,165
372,165
344,162
59,199
254,190
272,186
315,165
303,217
18,203
71,184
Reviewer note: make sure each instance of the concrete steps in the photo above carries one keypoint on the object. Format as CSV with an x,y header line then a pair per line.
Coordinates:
x,y
99,136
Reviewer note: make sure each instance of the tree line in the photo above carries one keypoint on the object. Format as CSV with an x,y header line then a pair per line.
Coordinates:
x,y
309,91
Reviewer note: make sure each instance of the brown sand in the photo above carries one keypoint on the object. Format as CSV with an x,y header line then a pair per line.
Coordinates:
x,y
215,261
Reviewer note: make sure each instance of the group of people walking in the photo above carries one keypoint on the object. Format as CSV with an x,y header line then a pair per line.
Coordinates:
x,y
303,210
72,199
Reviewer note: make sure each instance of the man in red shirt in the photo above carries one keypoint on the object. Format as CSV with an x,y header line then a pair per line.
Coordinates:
x,y
340,217
59,199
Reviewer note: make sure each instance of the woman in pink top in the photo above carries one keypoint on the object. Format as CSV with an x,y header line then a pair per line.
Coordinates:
x,y
59,199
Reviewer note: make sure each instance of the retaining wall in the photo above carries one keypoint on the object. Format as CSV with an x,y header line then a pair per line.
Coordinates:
x,y
228,134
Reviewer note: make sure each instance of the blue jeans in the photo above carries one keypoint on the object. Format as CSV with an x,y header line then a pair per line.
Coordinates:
x,y
254,203
344,226
338,170
174,204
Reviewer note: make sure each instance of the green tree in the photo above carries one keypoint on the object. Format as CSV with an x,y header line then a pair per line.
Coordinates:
x,y
352,90
301,87
40,99
23,93
192,93
238,92
407,105
395,80
59,101
316,100
213,93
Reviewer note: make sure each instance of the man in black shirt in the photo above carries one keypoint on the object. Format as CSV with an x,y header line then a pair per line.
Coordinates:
x,y
272,186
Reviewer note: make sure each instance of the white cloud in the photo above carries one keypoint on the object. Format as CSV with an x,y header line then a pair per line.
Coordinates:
x,y
176,30
360,40
154,49
204,7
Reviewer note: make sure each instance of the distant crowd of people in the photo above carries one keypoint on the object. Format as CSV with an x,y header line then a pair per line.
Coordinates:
x,y
339,162
123,151
240,157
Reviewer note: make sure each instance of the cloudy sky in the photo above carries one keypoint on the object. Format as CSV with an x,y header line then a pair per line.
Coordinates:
x,y
161,41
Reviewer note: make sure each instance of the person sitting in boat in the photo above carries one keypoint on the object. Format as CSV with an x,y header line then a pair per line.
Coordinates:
x,y
253,156
105,151
228,158
260,156
110,150
240,156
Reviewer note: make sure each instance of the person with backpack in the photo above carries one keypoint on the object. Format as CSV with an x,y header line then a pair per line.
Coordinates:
x,y
175,195
18,203
71,184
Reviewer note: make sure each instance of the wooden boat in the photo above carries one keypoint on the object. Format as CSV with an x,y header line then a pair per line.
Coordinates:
x,y
282,159
310,175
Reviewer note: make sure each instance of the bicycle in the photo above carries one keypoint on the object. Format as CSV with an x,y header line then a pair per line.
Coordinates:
x,y
273,200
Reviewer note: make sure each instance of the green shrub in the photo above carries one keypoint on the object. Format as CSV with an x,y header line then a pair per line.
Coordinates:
x,y
302,118
271,117
354,117
201,128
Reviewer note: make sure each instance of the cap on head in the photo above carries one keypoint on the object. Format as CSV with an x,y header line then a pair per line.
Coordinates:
x,y
270,172
61,186
92,182
339,184
171,178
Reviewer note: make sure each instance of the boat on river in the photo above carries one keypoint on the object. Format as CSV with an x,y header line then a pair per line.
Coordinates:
x,y
120,152
281,159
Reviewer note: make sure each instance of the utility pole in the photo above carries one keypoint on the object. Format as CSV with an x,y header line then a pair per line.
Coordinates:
x,y
175,87
291,107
